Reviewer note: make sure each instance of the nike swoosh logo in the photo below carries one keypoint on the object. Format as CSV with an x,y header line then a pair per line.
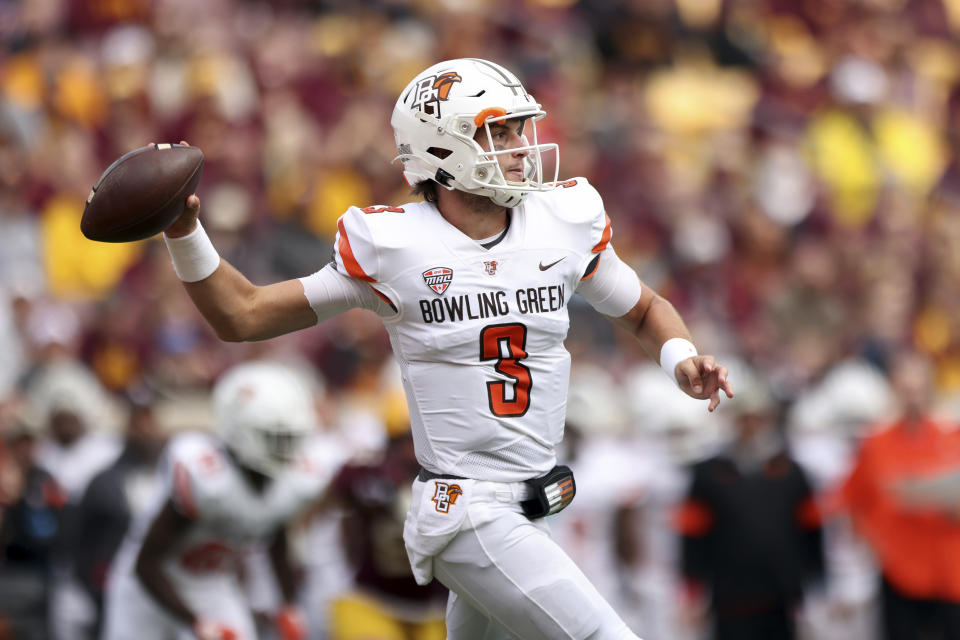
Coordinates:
x,y
544,267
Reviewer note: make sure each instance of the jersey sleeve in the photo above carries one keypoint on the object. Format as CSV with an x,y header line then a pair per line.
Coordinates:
x,y
611,287
606,282
354,251
200,478
329,293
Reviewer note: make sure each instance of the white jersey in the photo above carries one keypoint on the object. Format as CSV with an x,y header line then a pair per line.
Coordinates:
x,y
229,516
478,332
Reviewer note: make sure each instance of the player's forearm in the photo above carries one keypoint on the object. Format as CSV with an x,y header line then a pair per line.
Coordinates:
x,y
282,567
159,587
239,311
225,299
652,322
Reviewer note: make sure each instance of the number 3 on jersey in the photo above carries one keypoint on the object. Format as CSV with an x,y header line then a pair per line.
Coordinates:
x,y
506,343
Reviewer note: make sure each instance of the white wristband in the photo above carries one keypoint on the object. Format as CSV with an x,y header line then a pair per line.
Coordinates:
x,y
194,258
673,352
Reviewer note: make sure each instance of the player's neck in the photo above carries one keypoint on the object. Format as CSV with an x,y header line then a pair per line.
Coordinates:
x,y
475,216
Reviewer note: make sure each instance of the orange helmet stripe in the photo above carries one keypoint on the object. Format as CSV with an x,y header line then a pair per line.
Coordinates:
x,y
491,112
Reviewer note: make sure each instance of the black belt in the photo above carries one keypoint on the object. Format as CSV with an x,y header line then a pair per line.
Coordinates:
x,y
423,475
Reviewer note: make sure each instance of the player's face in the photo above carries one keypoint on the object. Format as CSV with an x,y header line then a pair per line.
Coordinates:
x,y
506,135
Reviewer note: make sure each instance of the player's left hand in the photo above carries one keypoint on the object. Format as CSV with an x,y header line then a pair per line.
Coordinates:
x,y
701,377
206,629
290,624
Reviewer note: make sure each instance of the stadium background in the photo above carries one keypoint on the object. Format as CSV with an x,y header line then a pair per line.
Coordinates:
x,y
785,171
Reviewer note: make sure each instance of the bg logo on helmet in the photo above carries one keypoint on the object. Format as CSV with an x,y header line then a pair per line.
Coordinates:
x,y
431,90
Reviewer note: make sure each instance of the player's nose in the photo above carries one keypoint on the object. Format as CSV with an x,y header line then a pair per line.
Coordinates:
x,y
519,145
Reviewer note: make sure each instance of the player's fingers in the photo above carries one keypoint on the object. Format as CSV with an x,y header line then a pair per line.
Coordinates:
x,y
185,143
723,381
688,370
727,388
714,400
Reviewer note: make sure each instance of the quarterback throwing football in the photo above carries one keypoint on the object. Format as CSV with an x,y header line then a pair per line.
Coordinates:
x,y
473,285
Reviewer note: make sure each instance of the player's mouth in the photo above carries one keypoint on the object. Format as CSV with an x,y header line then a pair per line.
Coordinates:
x,y
515,175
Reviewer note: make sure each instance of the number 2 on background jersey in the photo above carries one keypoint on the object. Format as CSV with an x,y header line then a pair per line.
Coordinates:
x,y
506,343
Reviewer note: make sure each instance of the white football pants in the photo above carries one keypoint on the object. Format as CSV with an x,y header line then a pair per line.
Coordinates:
x,y
132,613
508,578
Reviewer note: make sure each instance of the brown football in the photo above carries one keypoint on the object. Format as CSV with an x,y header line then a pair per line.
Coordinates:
x,y
141,193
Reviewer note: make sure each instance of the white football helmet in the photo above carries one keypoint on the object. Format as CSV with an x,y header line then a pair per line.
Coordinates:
x,y
440,111
263,412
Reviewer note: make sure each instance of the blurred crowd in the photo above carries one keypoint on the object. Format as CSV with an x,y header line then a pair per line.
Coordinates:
x,y
786,172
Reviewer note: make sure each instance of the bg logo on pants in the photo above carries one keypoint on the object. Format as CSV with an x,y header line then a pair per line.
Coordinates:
x,y
445,495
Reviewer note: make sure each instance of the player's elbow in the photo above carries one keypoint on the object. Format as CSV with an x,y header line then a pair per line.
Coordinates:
x,y
237,325
245,332
231,333
145,568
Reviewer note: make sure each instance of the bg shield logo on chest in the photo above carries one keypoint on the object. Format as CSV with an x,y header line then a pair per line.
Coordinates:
x,y
438,279
445,495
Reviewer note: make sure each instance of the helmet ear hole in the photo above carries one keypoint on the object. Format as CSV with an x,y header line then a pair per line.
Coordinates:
x,y
439,152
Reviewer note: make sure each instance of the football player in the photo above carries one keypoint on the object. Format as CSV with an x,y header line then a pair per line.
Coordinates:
x,y
223,494
473,285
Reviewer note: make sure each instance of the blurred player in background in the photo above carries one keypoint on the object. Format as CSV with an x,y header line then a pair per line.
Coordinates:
x,y
70,407
752,532
386,602
114,497
223,495
602,530
473,286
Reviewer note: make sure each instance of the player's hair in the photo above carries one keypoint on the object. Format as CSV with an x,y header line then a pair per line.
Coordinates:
x,y
426,189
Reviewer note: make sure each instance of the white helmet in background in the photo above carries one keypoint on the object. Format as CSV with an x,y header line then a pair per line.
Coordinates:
x,y
263,413
595,402
859,395
665,414
67,386
439,112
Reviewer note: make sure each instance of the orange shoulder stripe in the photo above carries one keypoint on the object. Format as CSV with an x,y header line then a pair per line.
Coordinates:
x,y
181,485
605,238
346,253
